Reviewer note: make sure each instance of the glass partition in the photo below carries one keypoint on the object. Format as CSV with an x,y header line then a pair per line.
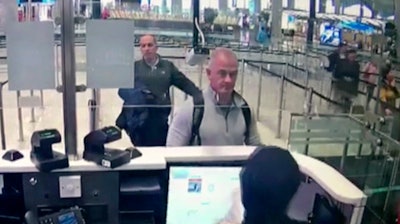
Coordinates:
x,y
356,146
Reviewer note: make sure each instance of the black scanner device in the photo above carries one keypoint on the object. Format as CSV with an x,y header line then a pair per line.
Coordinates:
x,y
95,150
12,155
42,154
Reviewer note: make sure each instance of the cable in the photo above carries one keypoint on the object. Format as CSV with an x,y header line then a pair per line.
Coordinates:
x,y
203,39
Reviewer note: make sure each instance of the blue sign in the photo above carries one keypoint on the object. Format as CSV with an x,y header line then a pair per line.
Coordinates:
x,y
252,6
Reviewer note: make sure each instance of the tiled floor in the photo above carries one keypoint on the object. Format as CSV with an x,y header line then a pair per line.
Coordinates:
x,y
51,115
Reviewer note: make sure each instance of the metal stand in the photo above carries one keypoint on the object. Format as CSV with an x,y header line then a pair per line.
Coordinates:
x,y
2,126
68,77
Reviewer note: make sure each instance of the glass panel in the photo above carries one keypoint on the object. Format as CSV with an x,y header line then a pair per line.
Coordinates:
x,y
367,157
30,58
111,65
27,62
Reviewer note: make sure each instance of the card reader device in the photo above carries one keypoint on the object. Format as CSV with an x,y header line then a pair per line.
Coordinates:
x,y
67,216
42,154
95,150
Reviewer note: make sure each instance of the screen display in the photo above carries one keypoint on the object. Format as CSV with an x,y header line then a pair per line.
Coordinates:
x,y
330,35
67,218
47,134
199,195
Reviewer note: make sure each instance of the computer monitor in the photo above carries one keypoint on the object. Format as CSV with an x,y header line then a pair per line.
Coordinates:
x,y
330,35
200,194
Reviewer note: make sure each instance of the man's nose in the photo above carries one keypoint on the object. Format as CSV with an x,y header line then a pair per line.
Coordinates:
x,y
228,78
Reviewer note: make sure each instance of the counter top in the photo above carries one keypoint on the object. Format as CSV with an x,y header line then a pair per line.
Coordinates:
x,y
154,158
145,162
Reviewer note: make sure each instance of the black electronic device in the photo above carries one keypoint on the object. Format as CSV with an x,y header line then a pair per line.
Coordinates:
x,y
42,154
95,150
12,155
133,152
67,216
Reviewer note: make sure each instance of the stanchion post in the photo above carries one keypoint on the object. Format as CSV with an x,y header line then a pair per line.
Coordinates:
x,y
242,77
41,99
280,108
91,105
259,89
308,101
32,109
201,76
377,103
20,124
94,110
2,128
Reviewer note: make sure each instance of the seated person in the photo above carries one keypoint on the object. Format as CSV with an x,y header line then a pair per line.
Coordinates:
x,y
223,118
269,180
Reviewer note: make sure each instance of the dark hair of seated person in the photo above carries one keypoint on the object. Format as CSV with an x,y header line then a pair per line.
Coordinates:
x,y
269,180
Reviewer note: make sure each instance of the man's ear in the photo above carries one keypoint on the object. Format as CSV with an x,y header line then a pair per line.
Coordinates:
x,y
208,72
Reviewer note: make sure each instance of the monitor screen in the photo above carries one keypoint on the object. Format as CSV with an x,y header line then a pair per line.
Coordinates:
x,y
67,218
330,35
199,195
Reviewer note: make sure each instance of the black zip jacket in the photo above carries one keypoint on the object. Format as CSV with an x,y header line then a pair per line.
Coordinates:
x,y
161,77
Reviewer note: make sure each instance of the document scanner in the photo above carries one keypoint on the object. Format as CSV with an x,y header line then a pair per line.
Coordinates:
x,y
96,152
42,154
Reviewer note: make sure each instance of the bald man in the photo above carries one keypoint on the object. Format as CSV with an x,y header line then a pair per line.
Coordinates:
x,y
223,120
154,76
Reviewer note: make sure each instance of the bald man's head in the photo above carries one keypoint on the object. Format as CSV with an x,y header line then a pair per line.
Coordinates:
x,y
222,71
225,53
148,48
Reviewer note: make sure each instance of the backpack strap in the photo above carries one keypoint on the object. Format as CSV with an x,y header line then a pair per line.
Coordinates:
x,y
198,112
247,118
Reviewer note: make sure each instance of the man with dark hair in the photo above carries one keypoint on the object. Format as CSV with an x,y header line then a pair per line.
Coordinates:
x,y
269,180
335,57
347,78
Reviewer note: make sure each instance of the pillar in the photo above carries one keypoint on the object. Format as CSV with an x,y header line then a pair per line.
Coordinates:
x,y
254,6
397,23
290,4
257,6
311,21
176,7
222,5
164,7
337,6
69,78
276,19
322,6
96,9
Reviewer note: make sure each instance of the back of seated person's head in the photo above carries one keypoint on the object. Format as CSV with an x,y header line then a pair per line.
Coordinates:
x,y
269,180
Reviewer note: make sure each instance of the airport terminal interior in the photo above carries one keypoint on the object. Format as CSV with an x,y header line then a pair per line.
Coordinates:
x,y
63,64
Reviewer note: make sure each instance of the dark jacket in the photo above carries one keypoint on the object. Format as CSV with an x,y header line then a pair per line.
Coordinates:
x,y
347,75
135,112
333,58
160,78
148,105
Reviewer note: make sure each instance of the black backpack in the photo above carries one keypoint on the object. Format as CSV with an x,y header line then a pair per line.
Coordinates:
x,y
198,112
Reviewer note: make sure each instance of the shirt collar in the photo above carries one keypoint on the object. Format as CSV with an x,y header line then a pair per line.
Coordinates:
x,y
236,101
154,65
